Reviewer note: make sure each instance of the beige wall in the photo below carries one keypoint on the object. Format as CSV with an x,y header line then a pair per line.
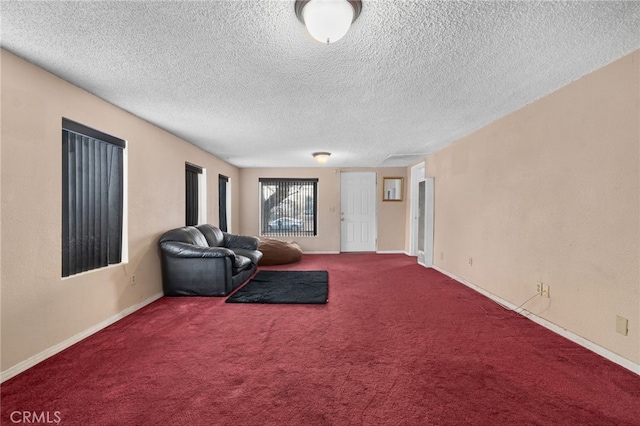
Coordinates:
x,y
391,215
39,308
551,193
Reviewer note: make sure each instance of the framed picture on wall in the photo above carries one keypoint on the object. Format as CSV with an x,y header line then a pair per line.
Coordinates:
x,y
392,188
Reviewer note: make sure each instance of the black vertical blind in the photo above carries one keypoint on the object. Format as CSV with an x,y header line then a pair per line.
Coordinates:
x,y
289,207
191,179
92,199
222,201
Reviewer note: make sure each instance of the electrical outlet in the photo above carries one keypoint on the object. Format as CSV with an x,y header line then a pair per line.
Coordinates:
x,y
441,255
471,261
133,279
544,291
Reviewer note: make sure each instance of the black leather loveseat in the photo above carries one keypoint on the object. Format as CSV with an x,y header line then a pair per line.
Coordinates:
x,y
204,261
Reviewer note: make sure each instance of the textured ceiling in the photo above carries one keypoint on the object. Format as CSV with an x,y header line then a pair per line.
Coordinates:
x,y
244,81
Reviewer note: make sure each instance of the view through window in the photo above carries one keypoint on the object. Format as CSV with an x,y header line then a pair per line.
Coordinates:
x,y
289,207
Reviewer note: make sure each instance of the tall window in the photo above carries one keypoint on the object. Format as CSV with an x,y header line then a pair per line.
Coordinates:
x,y
92,198
223,202
289,207
192,177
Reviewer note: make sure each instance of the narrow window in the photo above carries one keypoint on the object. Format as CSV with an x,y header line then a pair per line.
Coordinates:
x,y
289,207
92,198
192,178
223,202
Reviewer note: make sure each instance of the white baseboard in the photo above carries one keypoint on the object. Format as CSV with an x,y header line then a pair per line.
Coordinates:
x,y
611,356
377,252
30,362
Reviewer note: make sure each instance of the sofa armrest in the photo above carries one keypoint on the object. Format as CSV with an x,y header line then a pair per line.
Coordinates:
x,y
241,241
178,249
253,255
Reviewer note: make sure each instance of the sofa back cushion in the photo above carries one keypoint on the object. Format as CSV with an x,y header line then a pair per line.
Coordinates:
x,y
213,235
186,234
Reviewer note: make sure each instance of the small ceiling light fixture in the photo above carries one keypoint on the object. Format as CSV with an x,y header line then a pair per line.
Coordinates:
x,y
328,20
321,157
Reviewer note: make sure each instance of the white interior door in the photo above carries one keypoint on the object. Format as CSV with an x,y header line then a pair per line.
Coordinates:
x,y
425,222
417,176
357,211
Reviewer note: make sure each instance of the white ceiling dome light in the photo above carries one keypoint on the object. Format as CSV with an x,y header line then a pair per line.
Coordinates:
x,y
328,20
321,157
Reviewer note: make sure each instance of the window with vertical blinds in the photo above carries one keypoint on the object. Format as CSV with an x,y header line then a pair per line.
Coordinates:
x,y
223,183
289,207
192,175
92,198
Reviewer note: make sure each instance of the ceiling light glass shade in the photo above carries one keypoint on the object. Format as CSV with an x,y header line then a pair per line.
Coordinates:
x,y
321,157
327,20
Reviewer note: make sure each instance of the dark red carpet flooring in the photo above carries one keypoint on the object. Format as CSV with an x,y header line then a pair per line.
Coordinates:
x,y
397,344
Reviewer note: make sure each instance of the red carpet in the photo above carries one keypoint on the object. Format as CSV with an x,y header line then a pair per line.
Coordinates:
x,y
397,344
